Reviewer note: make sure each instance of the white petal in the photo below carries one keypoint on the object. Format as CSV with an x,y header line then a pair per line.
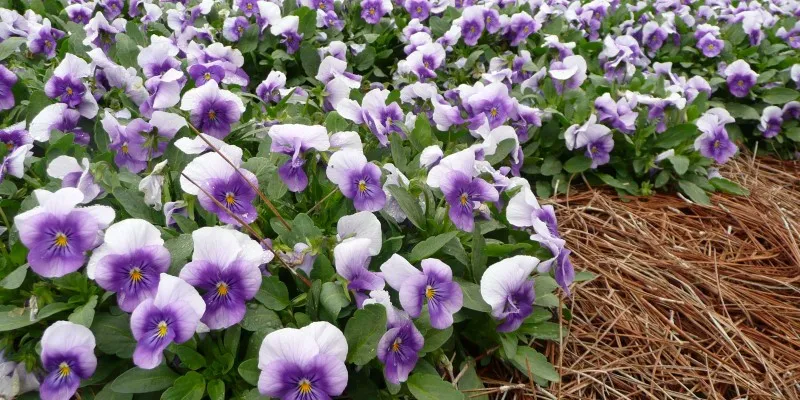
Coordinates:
x,y
216,245
362,224
287,344
43,122
64,336
132,234
173,289
342,162
397,270
329,338
521,207
503,275
61,166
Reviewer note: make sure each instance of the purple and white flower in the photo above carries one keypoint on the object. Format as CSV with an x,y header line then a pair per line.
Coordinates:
x,y
172,316
363,224
506,287
225,266
75,175
151,185
213,110
130,262
158,58
373,10
771,121
287,28
358,179
714,142
7,80
67,357
351,259
57,117
305,363
570,73
234,27
433,285
58,234
102,34
382,119
66,85
740,78
269,90
399,347
294,140
43,39
472,24
491,102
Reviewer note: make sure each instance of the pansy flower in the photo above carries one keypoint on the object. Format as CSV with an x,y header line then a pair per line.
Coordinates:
x,y
351,259
102,34
224,267
373,10
66,85
305,363
67,358
399,347
75,175
218,179
171,316
381,118
130,262
234,28
213,110
364,225
58,234
472,24
714,142
771,121
57,117
508,290
570,73
288,29
294,140
269,90
43,39
433,286
358,179
740,78
7,80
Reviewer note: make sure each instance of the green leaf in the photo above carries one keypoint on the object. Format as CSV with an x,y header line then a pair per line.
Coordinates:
x,y
216,389
133,203
695,193
108,394
260,319
539,366
675,136
191,386
430,246
793,133
544,330
309,59
12,318
578,164
742,111
125,51
113,334
435,338
727,186
363,331
10,45
551,166
332,299
249,41
15,278
432,387
84,315
335,122
502,151
409,205
137,380
190,358
421,136
273,294
479,257
679,163
470,382
186,224
249,371
780,95
231,339
180,249
584,276
36,103
472,297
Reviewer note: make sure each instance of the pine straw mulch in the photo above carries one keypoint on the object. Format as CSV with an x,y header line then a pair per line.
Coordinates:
x,y
690,301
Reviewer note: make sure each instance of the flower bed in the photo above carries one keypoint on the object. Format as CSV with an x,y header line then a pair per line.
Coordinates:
x,y
309,199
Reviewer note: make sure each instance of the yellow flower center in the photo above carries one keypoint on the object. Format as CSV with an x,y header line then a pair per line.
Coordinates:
x,y
430,292
124,148
230,199
717,144
304,386
396,345
371,11
419,9
212,115
493,112
488,20
464,199
222,289
48,44
711,47
162,329
240,29
362,186
136,275
472,29
61,240
594,149
322,6
69,91
526,29
249,6
10,146
64,369
740,83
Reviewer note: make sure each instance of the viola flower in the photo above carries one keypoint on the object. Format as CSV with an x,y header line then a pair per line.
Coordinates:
x,y
75,175
213,110
382,119
430,156
599,146
492,20
174,207
418,9
463,193
128,145
363,224
151,185
216,53
66,85
294,140
351,259
434,285
373,10
287,29
653,36
740,78
710,45
578,136
158,58
57,117
268,90
222,181
792,36
714,142
771,121
305,363
521,26
204,73
225,267
248,7
7,80
234,27
102,34
491,101
424,61
472,24
569,73
111,8
506,287
79,13
130,262
58,234
15,136
794,74
399,347
151,138
43,39
358,179
14,163
67,357
791,110
171,316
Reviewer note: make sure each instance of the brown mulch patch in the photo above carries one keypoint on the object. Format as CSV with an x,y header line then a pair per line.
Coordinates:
x,y
689,302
